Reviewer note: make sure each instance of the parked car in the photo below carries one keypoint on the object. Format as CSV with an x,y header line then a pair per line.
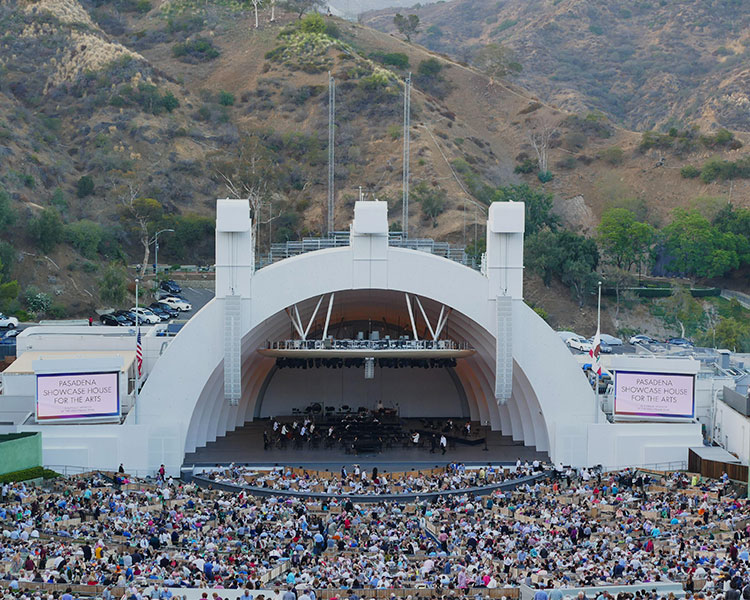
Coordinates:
x,y
8,322
170,286
177,303
145,315
679,341
113,320
578,342
610,340
166,308
9,337
641,339
566,335
604,347
128,316
160,312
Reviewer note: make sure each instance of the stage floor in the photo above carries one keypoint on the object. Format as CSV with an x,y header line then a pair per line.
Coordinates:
x,y
245,445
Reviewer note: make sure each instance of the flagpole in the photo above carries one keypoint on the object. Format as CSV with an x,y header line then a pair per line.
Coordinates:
x,y
137,334
598,332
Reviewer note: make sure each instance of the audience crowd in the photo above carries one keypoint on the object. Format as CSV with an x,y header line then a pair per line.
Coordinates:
x,y
560,531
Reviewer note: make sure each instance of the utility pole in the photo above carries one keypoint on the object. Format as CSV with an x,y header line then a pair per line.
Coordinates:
x,y
407,124
331,155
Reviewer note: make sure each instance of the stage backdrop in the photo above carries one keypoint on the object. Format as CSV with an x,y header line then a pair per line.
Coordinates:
x,y
414,392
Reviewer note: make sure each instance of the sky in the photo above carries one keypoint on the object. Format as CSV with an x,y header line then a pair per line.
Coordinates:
x,y
351,8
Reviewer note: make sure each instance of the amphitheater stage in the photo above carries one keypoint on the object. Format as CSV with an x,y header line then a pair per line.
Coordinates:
x,y
245,446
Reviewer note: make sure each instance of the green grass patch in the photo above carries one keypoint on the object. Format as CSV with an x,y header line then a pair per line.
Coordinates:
x,y
26,474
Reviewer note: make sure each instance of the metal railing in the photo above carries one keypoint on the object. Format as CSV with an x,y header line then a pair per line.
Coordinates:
x,y
68,470
340,239
385,344
669,466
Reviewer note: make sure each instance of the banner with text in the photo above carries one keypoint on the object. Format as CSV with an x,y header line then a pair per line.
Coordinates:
x,y
654,395
77,396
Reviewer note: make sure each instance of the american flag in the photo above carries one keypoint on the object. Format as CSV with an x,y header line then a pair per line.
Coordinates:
x,y
139,353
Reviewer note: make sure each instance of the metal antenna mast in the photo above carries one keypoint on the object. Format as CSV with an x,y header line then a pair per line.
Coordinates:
x,y
331,157
407,123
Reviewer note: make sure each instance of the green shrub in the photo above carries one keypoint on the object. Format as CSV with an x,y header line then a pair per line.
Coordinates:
x,y
85,186
545,176
226,99
723,137
690,172
85,236
46,230
507,24
395,131
169,102
313,23
26,474
332,30
569,162
36,301
23,316
57,311
725,169
613,155
197,50
429,68
392,59
7,212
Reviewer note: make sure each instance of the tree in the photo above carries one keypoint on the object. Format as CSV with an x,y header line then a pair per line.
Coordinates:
x,y
273,11
624,241
407,26
302,6
7,214
256,5
697,248
8,289
618,279
541,255
113,284
540,134
496,61
46,229
247,177
683,309
731,333
85,236
145,213
538,206
432,200
733,219
85,186
579,258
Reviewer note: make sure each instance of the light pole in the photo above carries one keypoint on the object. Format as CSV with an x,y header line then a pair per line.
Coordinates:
x,y
137,334
156,248
598,368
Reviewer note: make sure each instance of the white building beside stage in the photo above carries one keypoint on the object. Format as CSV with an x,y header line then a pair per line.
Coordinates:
x,y
211,379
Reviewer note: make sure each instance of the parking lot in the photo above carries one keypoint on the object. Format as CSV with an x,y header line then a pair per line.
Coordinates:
x,y
198,298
